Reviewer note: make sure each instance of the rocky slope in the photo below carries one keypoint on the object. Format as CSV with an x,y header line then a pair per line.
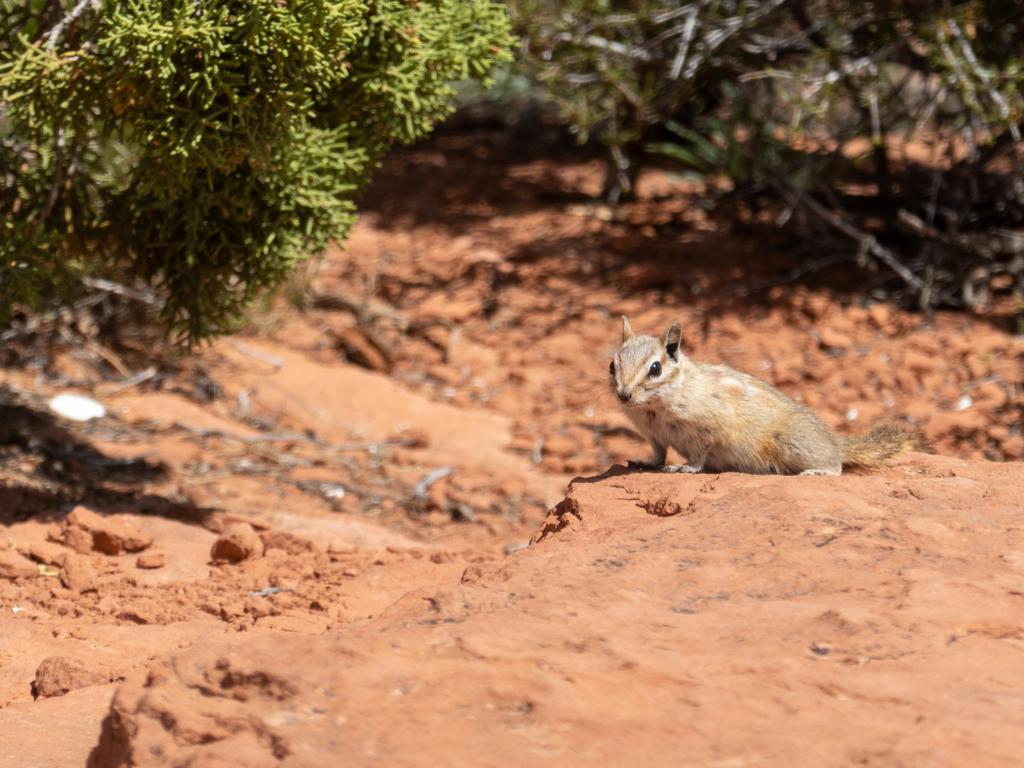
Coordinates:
x,y
723,620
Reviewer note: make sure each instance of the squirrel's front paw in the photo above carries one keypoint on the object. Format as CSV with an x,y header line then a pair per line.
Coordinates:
x,y
637,464
688,469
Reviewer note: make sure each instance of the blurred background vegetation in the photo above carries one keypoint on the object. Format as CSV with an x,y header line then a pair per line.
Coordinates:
x,y
189,155
814,103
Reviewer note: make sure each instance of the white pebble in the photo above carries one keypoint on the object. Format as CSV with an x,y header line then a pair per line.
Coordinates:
x,y
77,408
334,492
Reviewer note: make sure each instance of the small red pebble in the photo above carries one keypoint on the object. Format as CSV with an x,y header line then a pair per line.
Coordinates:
x,y
237,542
152,560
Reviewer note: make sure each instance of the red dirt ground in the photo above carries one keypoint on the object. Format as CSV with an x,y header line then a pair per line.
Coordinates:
x,y
467,327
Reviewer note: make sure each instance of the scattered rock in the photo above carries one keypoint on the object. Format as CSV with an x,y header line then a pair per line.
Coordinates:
x,y
47,552
55,533
880,314
58,675
362,349
286,541
109,536
834,339
239,541
77,573
663,507
13,566
151,560
218,521
79,540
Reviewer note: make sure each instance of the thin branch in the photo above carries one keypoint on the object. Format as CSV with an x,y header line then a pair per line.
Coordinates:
x,y
273,360
868,243
138,378
58,178
792,276
662,17
367,310
923,229
57,31
296,437
129,293
969,94
784,216
668,34
997,97
940,98
684,46
420,491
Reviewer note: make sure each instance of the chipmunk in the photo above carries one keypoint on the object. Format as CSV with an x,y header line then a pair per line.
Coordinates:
x,y
723,420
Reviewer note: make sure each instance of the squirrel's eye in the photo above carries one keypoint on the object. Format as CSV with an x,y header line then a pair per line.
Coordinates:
x,y
611,368
655,369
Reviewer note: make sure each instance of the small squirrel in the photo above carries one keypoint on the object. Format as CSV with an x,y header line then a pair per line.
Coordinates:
x,y
723,420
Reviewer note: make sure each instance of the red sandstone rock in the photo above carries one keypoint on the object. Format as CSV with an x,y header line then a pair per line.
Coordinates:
x,y
57,676
300,624
830,337
218,521
47,552
108,535
777,621
237,542
285,541
78,539
14,566
77,573
151,560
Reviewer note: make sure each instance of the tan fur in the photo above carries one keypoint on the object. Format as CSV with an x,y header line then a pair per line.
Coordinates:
x,y
885,440
723,420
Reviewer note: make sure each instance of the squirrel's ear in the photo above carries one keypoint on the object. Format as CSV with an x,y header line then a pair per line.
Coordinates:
x,y
627,332
670,340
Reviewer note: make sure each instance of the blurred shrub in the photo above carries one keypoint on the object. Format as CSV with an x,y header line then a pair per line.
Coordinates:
x,y
208,146
772,92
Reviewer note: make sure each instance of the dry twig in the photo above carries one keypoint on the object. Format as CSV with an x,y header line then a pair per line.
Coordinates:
x,y
868,243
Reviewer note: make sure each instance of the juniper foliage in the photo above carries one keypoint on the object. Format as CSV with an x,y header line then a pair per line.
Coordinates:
x,y
207,147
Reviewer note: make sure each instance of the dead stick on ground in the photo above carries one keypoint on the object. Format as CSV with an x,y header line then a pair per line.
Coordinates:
x,y
365,311
374,309
98,349
138,378
295,437
812,266
330,491
868,243
245,349
121,290
420,491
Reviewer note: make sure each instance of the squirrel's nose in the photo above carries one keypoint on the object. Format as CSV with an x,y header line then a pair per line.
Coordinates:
x,y
624,396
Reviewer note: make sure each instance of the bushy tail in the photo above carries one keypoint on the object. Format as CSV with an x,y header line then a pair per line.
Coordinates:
x,y
871,449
